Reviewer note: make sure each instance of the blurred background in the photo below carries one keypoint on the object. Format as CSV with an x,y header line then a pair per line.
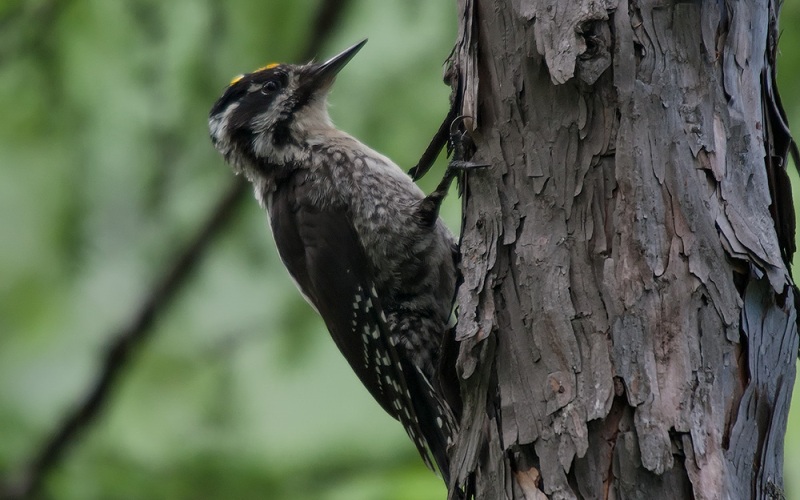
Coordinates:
x,y
107,170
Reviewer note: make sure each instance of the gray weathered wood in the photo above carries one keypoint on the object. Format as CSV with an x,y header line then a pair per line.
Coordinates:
x,y
627,319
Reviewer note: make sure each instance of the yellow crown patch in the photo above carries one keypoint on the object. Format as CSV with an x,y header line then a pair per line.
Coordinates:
x,y
262,68
268,66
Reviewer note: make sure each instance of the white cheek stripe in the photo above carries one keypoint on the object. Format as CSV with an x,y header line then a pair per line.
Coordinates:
x,y
219,124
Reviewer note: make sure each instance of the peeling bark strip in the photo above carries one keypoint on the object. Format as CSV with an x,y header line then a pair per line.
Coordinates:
x,y
627,317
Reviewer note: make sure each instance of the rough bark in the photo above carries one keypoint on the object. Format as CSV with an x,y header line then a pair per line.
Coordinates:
x,y
627,320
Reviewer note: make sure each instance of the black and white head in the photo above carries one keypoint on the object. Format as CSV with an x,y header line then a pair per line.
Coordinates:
x,y
264,117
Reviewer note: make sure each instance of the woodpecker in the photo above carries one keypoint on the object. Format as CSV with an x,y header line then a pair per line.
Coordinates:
x,y
362,242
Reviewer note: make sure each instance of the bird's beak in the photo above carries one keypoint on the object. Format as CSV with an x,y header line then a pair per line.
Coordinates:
x,y
322,75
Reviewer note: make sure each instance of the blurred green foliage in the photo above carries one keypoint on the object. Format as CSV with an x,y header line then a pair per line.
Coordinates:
x,y
789,85
107,170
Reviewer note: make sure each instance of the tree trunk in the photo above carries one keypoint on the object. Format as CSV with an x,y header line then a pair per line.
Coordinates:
x,y
627,320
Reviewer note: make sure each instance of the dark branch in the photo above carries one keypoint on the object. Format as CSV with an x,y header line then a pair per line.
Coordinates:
x,y
123,345
130,337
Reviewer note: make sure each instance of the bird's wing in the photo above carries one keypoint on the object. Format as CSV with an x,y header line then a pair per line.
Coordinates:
x,y
323,254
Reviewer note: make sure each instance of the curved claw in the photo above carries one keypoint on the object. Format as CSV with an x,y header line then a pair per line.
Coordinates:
x,y
457,121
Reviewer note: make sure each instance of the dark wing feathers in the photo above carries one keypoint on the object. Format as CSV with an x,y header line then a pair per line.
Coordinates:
x,y
430,407
325,257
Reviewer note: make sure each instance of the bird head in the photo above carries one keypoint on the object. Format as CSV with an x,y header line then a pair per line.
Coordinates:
x,y
267,115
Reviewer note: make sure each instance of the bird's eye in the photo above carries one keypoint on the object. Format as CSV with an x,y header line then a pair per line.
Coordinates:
x,y
270,86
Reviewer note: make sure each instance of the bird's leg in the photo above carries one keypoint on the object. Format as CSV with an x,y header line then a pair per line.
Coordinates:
x,y
440,138
458,142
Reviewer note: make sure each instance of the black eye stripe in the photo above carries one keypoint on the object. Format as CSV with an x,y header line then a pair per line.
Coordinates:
x,y
232,94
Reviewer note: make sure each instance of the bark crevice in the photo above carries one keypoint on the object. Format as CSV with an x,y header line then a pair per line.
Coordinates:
x,y
621,255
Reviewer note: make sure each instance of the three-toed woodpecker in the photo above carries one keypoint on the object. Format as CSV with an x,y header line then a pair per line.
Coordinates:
x,y
362,242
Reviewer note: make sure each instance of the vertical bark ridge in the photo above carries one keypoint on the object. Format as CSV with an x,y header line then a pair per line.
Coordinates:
x,y
620,256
